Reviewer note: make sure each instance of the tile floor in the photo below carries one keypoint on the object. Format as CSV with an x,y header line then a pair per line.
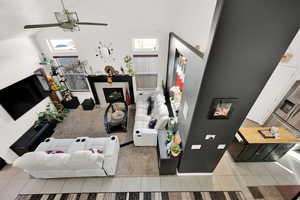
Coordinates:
x,y
227,176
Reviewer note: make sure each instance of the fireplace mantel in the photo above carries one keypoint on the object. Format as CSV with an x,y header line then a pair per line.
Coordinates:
x,y
115,79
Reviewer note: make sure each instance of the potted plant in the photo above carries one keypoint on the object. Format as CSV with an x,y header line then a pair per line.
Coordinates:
x,y
169,136
128,65
175,150
49,115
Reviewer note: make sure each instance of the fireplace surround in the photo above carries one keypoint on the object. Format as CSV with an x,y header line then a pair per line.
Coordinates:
x,y
101,88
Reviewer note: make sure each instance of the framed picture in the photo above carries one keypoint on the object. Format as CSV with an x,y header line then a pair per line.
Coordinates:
x,y
222,108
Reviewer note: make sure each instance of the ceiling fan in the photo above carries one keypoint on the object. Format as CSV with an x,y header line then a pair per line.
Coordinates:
x,y
66,20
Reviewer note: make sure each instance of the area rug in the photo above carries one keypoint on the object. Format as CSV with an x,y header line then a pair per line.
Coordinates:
x,y
286,192
232,195
80,122
90,123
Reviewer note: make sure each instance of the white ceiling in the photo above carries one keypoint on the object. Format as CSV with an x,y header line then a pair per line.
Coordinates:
x,y
14,14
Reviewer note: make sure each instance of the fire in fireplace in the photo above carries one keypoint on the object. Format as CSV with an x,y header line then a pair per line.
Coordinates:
x,y
113,93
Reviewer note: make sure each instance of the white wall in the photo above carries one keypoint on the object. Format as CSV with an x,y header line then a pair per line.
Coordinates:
x,y
193,20
18,59
87,40
280,82
127,20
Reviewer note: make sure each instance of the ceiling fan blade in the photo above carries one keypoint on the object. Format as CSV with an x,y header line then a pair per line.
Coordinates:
x,y
91,23
40,26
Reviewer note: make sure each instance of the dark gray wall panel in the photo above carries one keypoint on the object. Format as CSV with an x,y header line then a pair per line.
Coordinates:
x,y
193,76
248,42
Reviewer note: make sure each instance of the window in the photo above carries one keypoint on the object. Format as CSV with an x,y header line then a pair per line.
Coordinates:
x,y
73,72
145,45
146,81
146,63
62,45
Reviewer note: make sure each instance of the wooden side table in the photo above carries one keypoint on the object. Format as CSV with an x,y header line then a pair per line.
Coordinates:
x,y
32,138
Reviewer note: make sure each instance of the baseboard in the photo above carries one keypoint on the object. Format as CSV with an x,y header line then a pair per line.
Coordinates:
x,y
126,143
194,174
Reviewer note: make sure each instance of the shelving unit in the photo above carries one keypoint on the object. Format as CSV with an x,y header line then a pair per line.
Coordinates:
x,y
167,164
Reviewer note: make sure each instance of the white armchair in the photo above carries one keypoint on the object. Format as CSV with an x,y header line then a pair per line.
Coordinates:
x,y
142,134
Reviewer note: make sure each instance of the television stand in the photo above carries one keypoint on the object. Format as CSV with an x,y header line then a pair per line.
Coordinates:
x,y
2,163
32,138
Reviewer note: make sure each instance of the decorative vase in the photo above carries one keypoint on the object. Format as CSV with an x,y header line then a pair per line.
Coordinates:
x,y
177,138
175,154
60,97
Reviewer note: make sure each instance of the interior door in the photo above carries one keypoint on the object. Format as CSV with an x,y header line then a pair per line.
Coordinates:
x,y
276,88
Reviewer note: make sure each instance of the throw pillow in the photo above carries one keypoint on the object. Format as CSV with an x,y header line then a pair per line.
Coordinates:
x,y
152,123
54,151
96,150
117,116
150,106
160,99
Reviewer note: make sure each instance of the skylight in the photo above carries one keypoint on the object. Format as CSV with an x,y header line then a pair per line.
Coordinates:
x,y
62,45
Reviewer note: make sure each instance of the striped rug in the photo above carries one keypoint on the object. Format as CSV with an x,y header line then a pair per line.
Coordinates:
x,y
278,192
137,196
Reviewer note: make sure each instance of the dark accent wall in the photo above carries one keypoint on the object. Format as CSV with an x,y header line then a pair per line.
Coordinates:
x,y
193,75
248,38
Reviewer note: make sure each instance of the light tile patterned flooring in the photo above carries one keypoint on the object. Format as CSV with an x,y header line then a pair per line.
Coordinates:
x,y
228,176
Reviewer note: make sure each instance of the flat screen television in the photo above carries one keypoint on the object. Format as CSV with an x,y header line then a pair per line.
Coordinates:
x,y
20,97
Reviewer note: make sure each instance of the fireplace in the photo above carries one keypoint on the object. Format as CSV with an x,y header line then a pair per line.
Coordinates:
x,y
110,92
101,89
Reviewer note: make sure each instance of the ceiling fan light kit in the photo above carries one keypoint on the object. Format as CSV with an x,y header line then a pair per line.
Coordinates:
x,y
66,20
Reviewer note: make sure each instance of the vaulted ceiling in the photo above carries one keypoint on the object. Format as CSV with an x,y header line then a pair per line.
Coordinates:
x,y
14,14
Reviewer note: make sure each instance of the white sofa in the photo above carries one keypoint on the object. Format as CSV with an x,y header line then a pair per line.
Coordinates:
x,y
79,157
142,134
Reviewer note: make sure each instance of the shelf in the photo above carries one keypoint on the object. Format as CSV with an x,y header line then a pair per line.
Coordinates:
x,y
167,164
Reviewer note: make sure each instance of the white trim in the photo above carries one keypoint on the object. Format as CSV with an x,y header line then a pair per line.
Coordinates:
x,y
194,174
295,155
285,168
